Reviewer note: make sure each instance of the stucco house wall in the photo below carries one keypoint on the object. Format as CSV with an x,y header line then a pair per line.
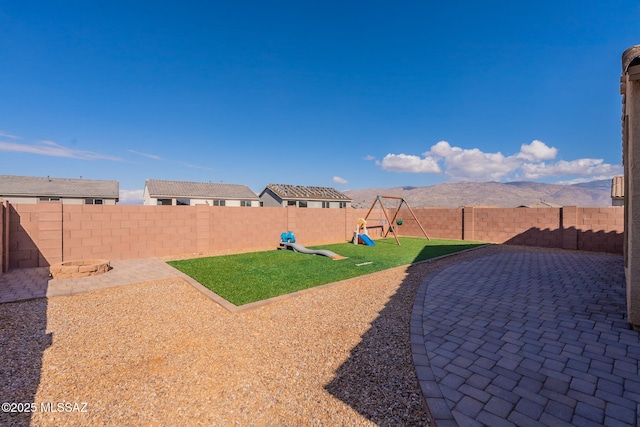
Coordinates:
x,y
630,91
270,199
17,200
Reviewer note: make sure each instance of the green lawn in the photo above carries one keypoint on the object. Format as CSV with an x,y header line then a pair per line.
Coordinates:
x,y
245,278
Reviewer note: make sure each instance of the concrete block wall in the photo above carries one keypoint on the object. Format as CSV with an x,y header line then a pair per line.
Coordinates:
x,y
601,229
319,224
240,228
35,235
439,223
590,229
43,234
46,233
124,232
518,226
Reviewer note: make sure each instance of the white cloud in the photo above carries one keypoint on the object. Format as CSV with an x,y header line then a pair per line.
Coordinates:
x,y
151,156
537,150
473,164
338,180
463,164
409,163
369,157
131,197
50,148
8,135
580,167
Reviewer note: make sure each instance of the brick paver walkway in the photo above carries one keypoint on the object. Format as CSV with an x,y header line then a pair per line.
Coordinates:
x,y
28,283
528,339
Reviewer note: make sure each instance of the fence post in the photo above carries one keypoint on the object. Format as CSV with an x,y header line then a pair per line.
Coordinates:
x,y
468,223
291,212
203,221
4,236
569,227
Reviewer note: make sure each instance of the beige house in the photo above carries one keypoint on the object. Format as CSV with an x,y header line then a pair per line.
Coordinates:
x,y
303,197
617,191
31,190
184,193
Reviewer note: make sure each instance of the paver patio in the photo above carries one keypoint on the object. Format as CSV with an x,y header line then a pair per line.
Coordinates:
x,y
530,338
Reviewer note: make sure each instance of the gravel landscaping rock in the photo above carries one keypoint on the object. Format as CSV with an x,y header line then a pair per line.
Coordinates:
x,y
160,353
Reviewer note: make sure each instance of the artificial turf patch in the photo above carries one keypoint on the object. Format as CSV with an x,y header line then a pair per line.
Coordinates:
x,y
250,277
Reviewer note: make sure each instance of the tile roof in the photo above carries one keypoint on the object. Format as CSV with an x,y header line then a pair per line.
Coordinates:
x,y
33,186
285,191
159,188
617,187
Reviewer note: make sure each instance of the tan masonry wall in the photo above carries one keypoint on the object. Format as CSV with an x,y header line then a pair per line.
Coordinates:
x,y
35,234
589,229
47,233
439,223
534,227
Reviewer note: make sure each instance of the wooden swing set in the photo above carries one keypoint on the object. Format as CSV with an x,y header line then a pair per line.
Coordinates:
x,y
393,221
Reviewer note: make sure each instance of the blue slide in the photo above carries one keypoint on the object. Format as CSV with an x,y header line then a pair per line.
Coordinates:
x,y
366,240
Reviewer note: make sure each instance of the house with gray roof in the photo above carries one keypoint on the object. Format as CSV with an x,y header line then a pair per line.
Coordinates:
x,y
177,193
303,197
32,189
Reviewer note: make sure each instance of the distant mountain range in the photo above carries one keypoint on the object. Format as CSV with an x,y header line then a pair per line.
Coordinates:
x,y
511,194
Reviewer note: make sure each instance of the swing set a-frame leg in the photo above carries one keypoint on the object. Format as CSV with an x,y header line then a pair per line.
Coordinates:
x,y
392,222
379,199
416,218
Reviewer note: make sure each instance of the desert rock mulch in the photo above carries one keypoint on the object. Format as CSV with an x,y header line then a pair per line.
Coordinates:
x,y
160,353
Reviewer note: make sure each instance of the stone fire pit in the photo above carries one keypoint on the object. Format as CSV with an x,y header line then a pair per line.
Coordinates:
x,y
83,268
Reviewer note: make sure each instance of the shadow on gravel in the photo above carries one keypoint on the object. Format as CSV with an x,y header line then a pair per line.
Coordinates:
x,y
379,380
23,340
23,325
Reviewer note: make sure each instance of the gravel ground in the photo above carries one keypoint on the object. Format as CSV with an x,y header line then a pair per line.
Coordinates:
x,y
160,353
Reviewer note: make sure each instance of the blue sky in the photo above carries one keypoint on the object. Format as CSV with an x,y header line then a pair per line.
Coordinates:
x,y
349,95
